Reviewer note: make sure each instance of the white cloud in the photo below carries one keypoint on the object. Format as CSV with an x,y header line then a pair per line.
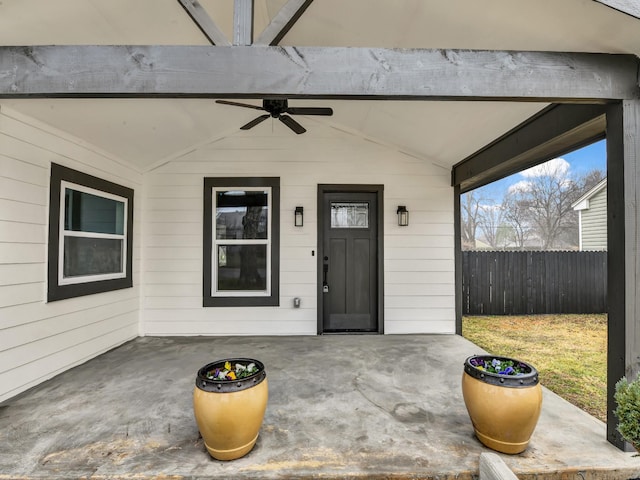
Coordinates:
x,y
558,167
521,186
494,206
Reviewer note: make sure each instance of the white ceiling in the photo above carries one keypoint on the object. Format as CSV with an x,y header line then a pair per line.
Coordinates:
x,y
145,132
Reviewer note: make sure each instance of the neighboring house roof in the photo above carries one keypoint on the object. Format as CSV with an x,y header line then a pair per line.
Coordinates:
x,y
583,202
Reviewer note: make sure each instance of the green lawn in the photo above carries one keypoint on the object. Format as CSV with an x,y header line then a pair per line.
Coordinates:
x,y
569,351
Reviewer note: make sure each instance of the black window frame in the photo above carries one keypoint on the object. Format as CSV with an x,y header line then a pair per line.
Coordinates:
x,y
55,291
271,300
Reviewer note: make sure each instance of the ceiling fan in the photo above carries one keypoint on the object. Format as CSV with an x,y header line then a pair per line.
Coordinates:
x,y
277,108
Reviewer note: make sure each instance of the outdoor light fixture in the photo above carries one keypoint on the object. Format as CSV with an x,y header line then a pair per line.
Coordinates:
x,y
299,217
403,216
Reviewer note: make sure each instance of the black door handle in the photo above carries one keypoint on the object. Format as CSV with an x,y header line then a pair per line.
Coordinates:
x,y
325,269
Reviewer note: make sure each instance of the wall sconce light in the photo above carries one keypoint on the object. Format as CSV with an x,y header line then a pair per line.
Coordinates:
x,y
299,217
403,216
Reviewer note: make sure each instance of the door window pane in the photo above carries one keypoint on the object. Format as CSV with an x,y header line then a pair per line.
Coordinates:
x,y
242,267
349,215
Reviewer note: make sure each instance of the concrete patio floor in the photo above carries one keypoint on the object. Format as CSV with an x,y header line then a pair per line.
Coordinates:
x,y
380,407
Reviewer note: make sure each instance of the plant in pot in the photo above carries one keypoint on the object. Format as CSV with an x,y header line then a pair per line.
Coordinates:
x,y
504,399
627,397
229,401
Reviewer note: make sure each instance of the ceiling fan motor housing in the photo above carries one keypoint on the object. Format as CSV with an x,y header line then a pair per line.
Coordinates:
x,y
275,106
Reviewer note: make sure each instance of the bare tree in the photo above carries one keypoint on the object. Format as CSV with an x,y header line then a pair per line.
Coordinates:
x,y
491,224
469,218
540,205
590,180
515,214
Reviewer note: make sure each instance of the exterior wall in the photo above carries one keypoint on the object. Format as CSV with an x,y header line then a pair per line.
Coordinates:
x,y
37,339
593,223
419,259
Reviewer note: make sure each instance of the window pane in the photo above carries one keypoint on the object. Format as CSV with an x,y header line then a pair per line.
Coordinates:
x,y
242,267
84,212
349,215
241,215
92,256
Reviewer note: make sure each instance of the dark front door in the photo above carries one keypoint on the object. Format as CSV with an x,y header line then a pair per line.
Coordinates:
x,y
349,262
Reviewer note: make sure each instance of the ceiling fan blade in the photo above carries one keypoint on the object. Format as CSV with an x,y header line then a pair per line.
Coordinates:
x,y
255,122
310,111
292,124
236,104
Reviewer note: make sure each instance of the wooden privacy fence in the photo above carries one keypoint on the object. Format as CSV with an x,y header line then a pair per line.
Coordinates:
x,y
516,283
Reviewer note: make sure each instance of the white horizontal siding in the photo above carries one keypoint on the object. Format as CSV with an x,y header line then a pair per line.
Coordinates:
x,y
30,342
17,252
31,374
37,339
418,259
19,273
44,330
14,232
21,294
22,212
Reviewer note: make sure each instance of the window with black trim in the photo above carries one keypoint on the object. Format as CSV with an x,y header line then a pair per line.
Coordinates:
x,y
241,241
90,235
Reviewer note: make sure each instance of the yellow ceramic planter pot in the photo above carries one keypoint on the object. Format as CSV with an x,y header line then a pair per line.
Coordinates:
x,y
504,409
229,413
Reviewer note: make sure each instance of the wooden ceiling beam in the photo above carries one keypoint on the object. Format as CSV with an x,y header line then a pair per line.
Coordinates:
x,y
282,22
630,7
242,22
320,72
553,132
204,22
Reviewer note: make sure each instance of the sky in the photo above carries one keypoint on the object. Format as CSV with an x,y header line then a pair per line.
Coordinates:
x,y
578,162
